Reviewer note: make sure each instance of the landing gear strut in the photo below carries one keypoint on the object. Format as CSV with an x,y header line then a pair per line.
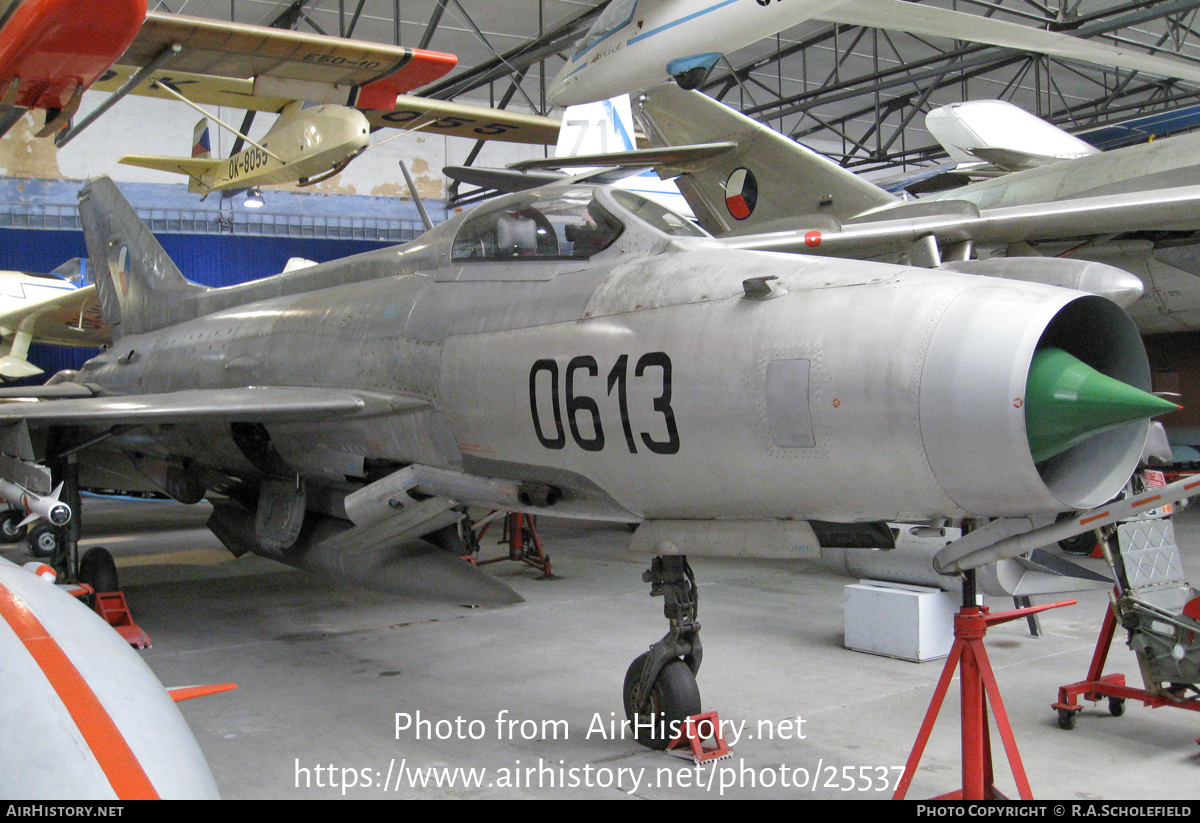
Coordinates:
x,y
660,686
65,551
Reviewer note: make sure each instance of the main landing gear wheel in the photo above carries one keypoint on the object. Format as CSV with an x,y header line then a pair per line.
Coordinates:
x,y
660,689
673,698
11,529
1081,545
43,540
98,570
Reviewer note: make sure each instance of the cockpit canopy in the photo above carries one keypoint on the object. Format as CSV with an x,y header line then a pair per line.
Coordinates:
x,y
616,15
557,225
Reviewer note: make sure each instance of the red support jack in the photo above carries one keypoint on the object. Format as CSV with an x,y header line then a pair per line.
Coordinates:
x,y
524,544
111,606
978,685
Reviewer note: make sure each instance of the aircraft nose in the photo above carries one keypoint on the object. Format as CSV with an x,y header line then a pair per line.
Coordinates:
x,y
359,131
1067,401
567,88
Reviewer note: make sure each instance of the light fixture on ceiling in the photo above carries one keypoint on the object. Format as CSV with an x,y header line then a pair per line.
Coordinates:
x,y
254,199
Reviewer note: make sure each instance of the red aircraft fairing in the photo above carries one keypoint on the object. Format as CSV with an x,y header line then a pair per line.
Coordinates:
x,y
55,49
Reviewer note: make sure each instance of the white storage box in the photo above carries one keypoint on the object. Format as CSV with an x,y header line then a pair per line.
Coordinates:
x,y
897,620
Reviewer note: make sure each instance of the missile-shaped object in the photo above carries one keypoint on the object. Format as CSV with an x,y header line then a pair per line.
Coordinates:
x,y
36,506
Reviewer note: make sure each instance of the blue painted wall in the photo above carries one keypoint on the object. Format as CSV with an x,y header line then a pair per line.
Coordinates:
x,y
170,208
214,242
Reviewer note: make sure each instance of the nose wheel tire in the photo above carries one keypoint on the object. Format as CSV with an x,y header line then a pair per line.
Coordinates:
x,y
672,699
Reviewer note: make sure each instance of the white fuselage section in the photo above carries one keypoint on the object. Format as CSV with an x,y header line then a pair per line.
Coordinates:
x,y
18,289
635,55
637,43
87,719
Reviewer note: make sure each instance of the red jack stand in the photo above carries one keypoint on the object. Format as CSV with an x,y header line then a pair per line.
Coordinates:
x,y
524,545
978,684
115,611
1112,686
695,730
112,607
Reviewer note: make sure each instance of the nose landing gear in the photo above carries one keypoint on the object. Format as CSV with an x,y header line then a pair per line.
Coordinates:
x,y
660,686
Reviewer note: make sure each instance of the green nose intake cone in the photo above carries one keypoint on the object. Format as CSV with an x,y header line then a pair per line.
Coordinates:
x,y
1067,401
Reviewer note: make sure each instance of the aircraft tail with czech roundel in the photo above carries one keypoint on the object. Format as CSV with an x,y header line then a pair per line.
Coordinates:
x,y
195,167
763,184
140,287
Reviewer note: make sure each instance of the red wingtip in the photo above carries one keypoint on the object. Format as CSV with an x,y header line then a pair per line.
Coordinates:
x,y
180,693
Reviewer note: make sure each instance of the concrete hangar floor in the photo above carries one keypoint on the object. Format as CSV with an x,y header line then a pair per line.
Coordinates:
x,y
527,696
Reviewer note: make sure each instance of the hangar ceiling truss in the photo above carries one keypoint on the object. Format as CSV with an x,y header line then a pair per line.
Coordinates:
x,y
859,94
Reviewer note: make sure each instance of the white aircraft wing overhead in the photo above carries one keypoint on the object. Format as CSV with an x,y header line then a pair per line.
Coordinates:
x,y
644,43
918,18
70,318
664,158
1176,209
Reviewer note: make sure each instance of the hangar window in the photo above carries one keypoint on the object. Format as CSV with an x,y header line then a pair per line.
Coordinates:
x,y
568,225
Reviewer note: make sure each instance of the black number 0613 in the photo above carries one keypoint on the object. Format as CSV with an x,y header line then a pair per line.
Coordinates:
x,y
655,365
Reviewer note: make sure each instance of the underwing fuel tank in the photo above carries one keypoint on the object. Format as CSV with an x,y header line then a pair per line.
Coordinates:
x,y
847,392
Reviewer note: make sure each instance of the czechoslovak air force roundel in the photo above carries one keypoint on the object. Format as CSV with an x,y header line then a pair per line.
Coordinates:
x,y
741,193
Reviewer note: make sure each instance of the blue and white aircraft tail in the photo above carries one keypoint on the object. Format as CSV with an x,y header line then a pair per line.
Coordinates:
x,y
602,135
607,127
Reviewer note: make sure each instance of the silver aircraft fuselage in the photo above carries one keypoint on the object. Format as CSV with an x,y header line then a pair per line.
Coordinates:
x,y
648,381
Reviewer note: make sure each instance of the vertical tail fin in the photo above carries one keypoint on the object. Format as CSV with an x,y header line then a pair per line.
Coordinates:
x,y
201,149
596,128
605,127
201,140
140,288
768,178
